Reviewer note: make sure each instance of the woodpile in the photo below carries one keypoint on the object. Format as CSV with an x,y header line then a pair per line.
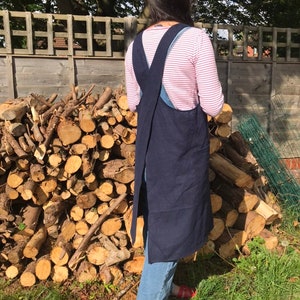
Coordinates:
x,y
67,181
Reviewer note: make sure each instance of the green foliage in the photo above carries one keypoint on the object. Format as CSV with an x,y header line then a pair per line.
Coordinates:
x,y
279,13
34,293
264,275
21,226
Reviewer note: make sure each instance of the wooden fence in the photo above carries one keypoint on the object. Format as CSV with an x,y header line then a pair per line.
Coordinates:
x,y
259,67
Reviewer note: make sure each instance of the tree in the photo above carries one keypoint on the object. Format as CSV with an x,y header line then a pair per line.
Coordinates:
x,y
279,13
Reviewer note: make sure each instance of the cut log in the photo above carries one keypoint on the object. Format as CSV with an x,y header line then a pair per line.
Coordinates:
x,y
215,144
228,214
82,247
271,240
91,216
225,116
242,147
13,110
111,226
60,253
102,208
135,265
68,229
121,208
123,102
118,170
11,193
16,129
266,211
73,164
79,148
223,130
97,254
239,198
68,132
28,189
86,272
59,274
23,144
55,160
43,267
238,160
4,206
120,188
33,246
207,249
139,240
49,184
103,99
40,196
15,178
107,141
229,242
76,213
23,164
82,227
37,173
13,271
251,222
28,278
16,254
125,151
217,230
90,140
86,200
30,217
106,187
228,170
216,202
131,118
239,143
86,121
117,257
117,114
127,135
105,275
76,241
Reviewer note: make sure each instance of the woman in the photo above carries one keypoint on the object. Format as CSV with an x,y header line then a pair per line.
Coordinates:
x,y
172,82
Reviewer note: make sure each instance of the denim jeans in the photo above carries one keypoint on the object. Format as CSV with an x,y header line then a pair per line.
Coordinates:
x,y
156,280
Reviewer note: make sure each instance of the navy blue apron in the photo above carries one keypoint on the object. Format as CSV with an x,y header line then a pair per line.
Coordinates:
x,y
173,147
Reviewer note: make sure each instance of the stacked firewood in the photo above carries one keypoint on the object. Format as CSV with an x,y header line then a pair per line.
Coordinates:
x,y
67,180
243,206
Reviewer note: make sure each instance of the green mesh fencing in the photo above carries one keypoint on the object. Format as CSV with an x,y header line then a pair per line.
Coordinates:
x,y
282,183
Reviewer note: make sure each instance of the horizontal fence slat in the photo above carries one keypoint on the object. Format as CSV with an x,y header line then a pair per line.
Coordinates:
x,y
104,36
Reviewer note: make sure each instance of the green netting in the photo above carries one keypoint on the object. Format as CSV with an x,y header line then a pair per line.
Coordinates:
x,y
281,181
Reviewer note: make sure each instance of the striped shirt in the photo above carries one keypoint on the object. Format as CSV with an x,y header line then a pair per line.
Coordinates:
x,y
190,74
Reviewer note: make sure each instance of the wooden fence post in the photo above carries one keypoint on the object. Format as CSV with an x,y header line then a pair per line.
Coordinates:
x,y
130,31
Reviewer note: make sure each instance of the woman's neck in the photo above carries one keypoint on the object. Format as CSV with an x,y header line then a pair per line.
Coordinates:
x,y
165,24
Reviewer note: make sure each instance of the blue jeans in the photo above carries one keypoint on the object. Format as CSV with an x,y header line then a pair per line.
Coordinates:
x,y
156,280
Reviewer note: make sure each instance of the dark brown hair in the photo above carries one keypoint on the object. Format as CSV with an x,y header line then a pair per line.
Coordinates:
x,y
170,10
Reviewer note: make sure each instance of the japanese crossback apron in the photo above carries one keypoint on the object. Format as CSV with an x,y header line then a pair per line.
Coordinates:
x,y
172,146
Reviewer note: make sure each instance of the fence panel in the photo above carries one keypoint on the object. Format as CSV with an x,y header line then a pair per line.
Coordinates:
x,y
259,67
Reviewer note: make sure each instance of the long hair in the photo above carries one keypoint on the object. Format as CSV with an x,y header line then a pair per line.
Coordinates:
x,y
170,10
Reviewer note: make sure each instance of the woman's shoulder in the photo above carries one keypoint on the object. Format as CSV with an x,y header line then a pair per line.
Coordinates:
x,y
196,31
197,35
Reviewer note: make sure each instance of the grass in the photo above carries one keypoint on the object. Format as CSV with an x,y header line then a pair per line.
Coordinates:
x,y
264,275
